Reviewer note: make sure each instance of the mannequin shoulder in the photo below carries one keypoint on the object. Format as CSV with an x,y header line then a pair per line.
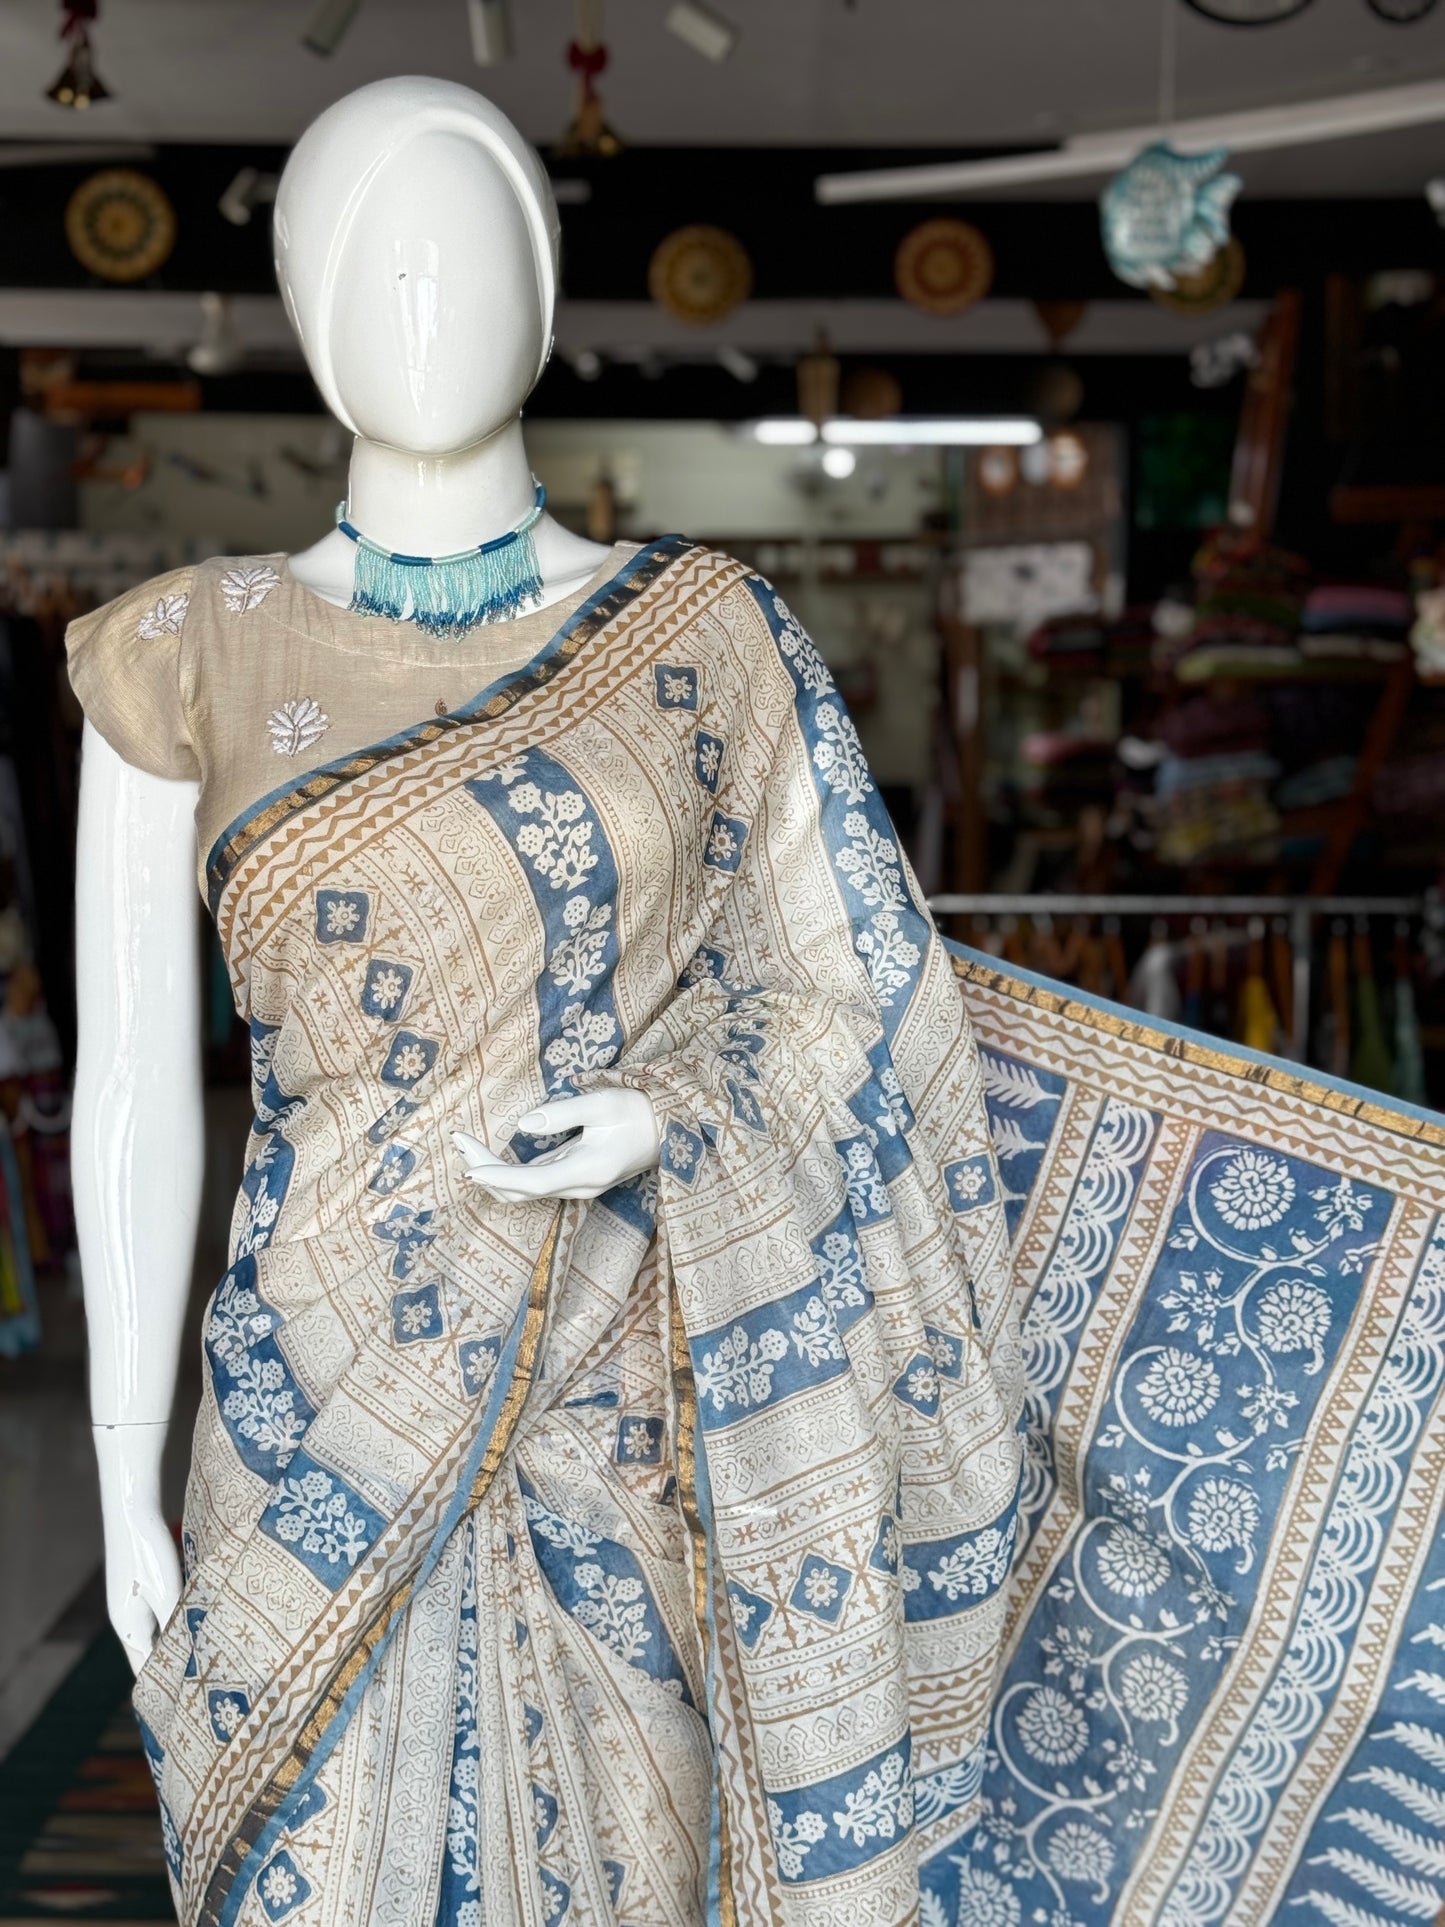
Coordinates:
x,y
153,609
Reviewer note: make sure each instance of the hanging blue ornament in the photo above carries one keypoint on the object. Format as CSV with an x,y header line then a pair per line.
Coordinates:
x,y
449,594
1166,214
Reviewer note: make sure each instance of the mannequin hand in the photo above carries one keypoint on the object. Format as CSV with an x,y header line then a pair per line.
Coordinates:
x,y
619,1138
142,1566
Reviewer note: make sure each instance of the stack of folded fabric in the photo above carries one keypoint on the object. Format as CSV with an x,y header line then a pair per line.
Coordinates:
x,y
1209,804
1064,773
1073,642
1215,725
1247,609
1355,622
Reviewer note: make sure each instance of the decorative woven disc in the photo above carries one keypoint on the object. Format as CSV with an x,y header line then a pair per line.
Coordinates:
x,y
943,266
120,225
1206,288
699,274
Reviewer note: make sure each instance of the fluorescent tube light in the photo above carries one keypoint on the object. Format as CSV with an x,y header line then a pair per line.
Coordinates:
x,y
784,431
705,31
962,431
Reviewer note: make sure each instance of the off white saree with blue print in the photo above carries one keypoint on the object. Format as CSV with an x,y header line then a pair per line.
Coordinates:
x,y
990,1472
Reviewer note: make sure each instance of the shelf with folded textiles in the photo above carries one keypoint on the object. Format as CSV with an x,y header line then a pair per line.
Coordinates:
x,y
1323,673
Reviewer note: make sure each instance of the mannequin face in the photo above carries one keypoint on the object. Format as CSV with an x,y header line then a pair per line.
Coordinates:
x,y
436,327
415,273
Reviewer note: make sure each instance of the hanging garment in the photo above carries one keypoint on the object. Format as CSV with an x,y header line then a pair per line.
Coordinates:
x,y
1370,1062
1409,1053
667,1559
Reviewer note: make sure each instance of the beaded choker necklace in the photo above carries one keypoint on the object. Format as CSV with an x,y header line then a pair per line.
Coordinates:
x,y
448,594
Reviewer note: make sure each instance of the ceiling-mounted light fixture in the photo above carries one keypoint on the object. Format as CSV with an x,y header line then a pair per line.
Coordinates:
x,y
329,24
900,431
490,25
249,190
740,366
78,85
705,31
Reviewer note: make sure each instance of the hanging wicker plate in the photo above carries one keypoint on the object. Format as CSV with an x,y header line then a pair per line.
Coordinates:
x,y
1202,290
1401,13
120,225
943,266
699,274
1248,13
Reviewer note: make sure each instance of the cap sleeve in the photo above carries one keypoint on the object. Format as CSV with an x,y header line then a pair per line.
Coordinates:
x,y
125,663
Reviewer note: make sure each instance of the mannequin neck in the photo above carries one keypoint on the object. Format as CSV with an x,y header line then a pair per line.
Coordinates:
x,y
439,504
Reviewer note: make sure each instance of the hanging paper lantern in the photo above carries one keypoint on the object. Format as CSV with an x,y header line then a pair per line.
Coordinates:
x,y
1166,214
699,274
943,266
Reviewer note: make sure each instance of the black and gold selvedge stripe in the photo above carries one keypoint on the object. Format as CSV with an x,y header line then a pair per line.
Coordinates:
x,y
257,823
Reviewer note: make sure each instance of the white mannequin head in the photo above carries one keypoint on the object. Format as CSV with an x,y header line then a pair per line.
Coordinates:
x,y
416,253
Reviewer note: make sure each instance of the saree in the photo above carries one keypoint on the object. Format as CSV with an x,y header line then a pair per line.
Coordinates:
x,y
990,1471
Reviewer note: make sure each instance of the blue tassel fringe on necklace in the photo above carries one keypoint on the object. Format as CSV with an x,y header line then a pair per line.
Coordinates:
x,y
448,594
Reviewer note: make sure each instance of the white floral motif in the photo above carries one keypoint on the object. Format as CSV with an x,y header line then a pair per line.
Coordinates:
x,y
840,1271
227,1714
709,757
680,1149
1079,1852
820,1587
408,1062
880,1807
1295,1317
278,1886
559,842
1223,1514
565,1534
244,589
801,651
815,1334
296,726
890,956
636,1440
341,916
1051,1727
838,757
260,1404
676,688
165,618
386,988
976,1568
1152,1688
1255,1191
1179,1388
970,1181
722,845
867,1190
576,963
870,864
416,1317
792,1839
261,1213
740,1372
613,1612
1131,1564
585,1041
319,1519
984,1900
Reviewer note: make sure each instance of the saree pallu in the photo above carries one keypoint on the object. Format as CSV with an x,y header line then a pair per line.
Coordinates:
x,y
989,1473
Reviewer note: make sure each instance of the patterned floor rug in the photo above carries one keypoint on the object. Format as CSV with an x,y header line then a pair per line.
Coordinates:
x,y
80,1836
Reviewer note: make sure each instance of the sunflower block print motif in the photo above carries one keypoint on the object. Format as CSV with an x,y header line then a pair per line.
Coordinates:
x,y
988,1474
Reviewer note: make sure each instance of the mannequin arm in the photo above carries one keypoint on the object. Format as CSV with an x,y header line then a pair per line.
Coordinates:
x,y
619,1138
136,1146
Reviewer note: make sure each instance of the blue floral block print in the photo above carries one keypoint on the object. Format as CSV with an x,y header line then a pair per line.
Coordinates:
x,y
409,1059
341,915
417,1314
675,685
917,1384
838,1824
477,1358
397,1165
707,759
385,989
725,842
406,1228
681,1152
820,1589
320,1520
639,1441
750,1613
970,1183
227,1707
282,1886
764,1355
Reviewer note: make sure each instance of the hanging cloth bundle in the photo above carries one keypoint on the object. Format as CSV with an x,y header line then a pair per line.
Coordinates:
x,y
448,594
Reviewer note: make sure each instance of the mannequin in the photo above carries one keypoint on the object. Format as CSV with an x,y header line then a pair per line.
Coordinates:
x,y
528,1475
438,463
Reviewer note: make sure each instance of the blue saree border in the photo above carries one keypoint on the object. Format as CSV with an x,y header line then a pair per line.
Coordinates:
x,y
260,818
1177,1040
243,1856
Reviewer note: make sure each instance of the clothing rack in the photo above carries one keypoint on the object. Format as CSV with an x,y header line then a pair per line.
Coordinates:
x,y
1300,912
